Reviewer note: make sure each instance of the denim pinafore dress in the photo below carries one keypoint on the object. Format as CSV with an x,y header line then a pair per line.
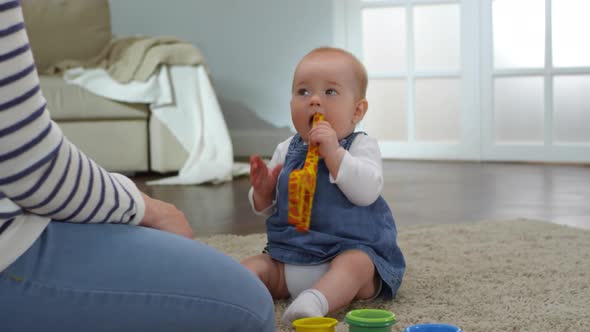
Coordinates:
x,y
336,225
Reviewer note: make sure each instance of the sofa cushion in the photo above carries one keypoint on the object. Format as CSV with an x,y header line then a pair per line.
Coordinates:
x,y
66,29
71,102
118,146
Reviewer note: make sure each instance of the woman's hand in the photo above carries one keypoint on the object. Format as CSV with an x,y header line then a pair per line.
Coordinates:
x,y
166,217
264,182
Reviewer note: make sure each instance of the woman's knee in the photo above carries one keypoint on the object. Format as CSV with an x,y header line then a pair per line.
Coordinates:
x,y
237,294
251,306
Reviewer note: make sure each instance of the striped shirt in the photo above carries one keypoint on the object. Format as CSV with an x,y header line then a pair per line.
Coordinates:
x,y
43,176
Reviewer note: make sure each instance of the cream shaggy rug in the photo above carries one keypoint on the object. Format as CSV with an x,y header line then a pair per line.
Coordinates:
x,y
517,275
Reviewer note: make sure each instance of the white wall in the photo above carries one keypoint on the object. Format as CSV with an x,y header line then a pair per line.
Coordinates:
x,y
251,47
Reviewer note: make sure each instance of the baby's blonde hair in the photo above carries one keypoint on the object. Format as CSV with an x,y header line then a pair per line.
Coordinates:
x,y
359,69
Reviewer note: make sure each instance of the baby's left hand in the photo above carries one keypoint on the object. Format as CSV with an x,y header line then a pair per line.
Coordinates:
x,y
325,137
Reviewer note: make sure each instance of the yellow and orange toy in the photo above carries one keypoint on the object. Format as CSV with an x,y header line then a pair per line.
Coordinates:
x,y
302,183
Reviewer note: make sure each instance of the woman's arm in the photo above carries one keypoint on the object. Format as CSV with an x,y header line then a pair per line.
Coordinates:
x,y
40,170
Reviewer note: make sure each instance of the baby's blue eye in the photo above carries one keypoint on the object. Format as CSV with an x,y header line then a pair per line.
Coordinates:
x,y
302,92
331,92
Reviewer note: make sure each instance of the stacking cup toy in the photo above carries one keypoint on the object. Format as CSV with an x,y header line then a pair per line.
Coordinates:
x,y
370,320
433,327
315,324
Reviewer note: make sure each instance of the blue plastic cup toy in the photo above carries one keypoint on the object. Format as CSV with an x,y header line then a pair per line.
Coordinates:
x,y
432,327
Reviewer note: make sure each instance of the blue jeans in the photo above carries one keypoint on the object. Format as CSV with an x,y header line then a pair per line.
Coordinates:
x,y
124,278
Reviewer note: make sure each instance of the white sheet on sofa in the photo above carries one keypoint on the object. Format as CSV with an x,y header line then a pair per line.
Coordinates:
x,y
182,98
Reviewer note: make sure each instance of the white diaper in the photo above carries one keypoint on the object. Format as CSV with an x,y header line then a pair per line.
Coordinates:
x,y
302,277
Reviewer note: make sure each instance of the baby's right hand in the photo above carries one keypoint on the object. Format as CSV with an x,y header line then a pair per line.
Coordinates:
x,y
263,179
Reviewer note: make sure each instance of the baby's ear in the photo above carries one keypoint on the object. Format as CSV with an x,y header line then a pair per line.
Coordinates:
x,y
360,110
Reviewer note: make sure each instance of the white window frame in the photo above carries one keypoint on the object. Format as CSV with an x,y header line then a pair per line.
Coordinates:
x,y
477,75
549,151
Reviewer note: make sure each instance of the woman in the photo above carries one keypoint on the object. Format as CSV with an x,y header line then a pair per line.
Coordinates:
x,y
71,258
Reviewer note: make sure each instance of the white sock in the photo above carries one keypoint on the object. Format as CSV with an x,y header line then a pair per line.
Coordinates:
x,y
309,303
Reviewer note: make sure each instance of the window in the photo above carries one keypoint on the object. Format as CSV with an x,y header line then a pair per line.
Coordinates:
x,y
534,102
473,79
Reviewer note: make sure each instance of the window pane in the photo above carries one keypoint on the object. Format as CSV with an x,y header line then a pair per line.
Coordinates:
x,y
571,28
437,37
384,39
519,33
571,114
387,117
519,110
438,110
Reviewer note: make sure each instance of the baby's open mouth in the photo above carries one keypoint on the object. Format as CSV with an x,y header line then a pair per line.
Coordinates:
x,y
319,116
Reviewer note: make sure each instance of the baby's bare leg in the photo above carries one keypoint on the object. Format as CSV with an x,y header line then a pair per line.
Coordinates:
x,y
271,272
351,276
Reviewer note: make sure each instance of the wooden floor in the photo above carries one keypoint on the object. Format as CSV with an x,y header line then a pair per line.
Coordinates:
x,y
418,193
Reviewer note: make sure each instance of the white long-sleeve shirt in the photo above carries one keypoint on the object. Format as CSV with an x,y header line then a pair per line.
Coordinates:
x,y
360,176
43,176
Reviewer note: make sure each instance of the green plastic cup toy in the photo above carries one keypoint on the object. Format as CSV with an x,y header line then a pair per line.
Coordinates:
x,y
370,320
315,324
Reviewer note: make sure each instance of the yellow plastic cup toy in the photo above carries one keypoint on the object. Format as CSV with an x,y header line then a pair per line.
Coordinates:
x,y
315,324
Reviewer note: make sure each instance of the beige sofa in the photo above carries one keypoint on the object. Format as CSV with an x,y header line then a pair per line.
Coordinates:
x,y
121,137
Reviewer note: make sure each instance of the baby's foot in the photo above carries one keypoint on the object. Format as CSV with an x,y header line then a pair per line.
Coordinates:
x,y
309,303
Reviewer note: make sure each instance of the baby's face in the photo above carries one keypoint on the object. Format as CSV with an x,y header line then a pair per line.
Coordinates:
x,y
325,82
